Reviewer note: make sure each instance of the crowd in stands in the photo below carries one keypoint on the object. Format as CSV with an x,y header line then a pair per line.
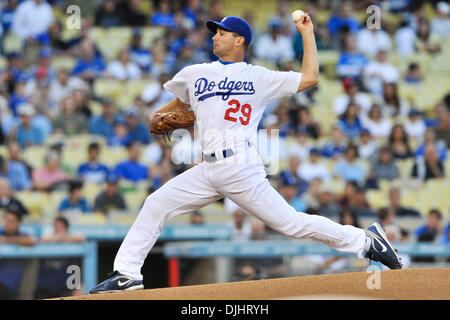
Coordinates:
x,y
374,124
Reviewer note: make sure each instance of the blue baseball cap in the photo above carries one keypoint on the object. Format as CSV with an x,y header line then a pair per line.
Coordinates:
x,y
233,24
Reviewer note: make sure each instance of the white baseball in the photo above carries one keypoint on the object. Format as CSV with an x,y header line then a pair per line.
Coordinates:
x,y
297,15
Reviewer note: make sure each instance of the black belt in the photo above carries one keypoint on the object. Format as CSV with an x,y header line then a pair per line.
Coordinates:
x,y
211,157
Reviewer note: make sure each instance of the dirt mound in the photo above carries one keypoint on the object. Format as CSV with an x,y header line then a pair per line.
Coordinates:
x,y
390,284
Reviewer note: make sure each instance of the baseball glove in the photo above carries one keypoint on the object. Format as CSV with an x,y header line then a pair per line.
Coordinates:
x,y
164,123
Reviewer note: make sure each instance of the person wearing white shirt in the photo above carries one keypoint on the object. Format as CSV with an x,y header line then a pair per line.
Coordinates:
x,y
352,93
378,126
370,42
241,230
414,126
302,146
313,169
123,68
405,37
32,18
392,105
367,146
275,46
64,85
378,72
440,25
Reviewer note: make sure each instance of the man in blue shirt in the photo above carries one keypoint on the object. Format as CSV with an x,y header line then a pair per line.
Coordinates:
x,y
343,19
136,129
131,169
288,186
88,66
27,133
138,54
93,171
11,270
103,125
75,201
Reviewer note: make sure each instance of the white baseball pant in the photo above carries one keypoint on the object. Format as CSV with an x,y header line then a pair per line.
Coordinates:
x,y
247,186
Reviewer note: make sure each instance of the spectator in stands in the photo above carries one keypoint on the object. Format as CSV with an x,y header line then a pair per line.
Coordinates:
x,y
274,46
378,126
367,147
163,16
108,15
311,196
138,54
46,178
287,186
429,166
347,217
75,201
335,147
414,126
61,233
351,62
52,277
241,230
120,137
8,200
103,124
110,199
89,65
383,168
349,121
343,19
64,85
328,206
405,37
123,68
359,205
302,146
348,168
32,19
378,72
26,133
440,25
154,151
93,171
7,14
132,14
399,143
131,169
249,272
349,192
17,172
427,42
370,41
392,105
18,97
442,127
429,232
430,138
197,218
395,205
11,270
154,96
313,169
293,164
137,131
414,75
69,122
304,121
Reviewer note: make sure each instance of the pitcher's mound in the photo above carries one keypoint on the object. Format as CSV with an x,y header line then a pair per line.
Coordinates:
x,y
389,284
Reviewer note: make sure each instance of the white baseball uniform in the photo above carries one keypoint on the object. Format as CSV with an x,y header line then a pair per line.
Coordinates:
x,y
228,100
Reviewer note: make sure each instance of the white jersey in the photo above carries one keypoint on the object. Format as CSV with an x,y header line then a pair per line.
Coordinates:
x,y
229,99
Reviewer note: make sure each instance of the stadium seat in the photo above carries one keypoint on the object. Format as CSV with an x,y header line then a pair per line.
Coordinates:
x,y
91,190
377,198
110,156
35,156
135,200
12,43
35,202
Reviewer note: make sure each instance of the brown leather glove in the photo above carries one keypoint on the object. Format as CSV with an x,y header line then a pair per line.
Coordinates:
x,y
164,123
